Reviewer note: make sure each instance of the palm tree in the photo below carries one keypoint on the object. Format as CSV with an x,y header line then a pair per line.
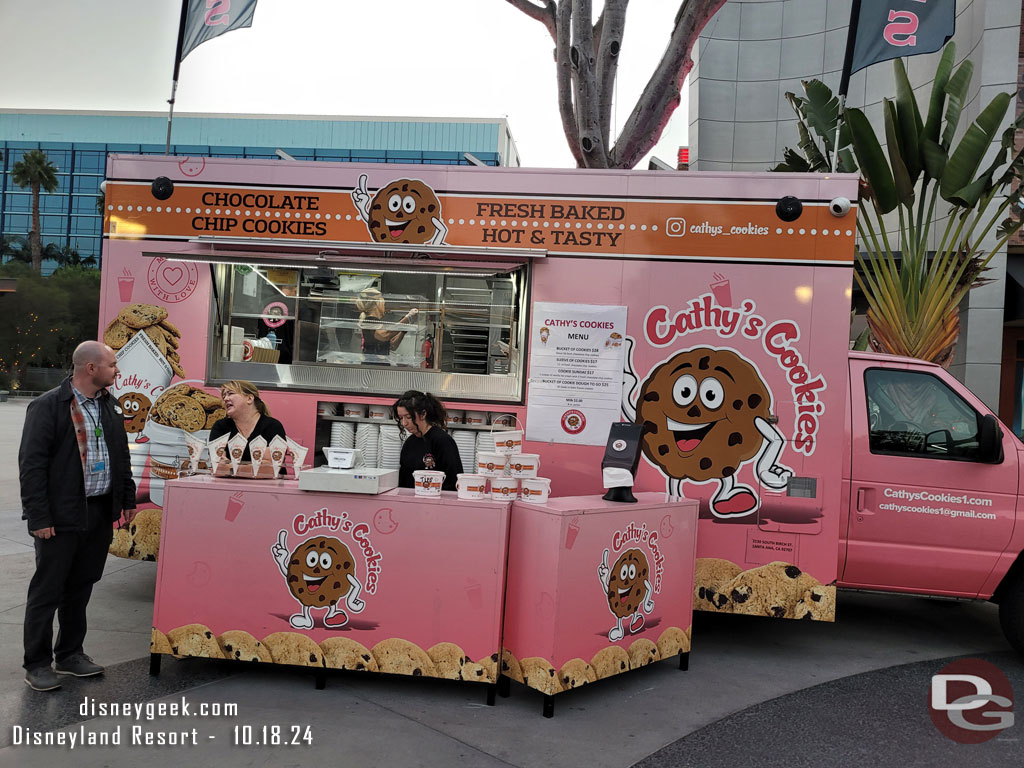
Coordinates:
x,y
914,286
35,171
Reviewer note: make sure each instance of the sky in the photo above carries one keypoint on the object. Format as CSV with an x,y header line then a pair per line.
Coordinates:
x,y
389,58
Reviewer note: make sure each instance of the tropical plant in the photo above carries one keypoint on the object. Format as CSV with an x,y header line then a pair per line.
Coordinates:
x,y
913,291
35,171
586,61
15,248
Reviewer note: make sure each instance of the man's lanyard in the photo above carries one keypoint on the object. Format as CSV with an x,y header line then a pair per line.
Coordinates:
x,y
96,428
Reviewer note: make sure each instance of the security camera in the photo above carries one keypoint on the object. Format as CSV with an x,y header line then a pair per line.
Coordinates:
x,y
162,188
789,208
839,207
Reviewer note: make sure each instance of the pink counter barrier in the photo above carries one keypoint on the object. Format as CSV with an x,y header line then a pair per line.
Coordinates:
x,y
596,588
396,583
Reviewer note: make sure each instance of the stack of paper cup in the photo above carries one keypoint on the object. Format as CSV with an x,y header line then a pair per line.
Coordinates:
x,y
343,435
466,442
368,442
390,450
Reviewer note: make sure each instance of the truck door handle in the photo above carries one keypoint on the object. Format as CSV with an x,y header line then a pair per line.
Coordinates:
x,y
862,498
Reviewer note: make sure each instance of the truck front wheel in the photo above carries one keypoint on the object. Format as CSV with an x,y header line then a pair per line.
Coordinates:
x,y
1011,610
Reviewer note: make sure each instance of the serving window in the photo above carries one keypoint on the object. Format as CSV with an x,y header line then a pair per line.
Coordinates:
x,y
455,332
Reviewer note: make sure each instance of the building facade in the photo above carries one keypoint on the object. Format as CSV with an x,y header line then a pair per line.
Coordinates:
x,y
78,144
754,51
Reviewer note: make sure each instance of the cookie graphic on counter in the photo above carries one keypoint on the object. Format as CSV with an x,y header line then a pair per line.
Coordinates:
x,y
403,211
609,661
627,586
706,412
239,645
769,590
321,573
343,653
576,673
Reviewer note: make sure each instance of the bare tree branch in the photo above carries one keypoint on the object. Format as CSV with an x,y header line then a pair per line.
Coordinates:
x,y
544,13
612,23
563,64
588,113
661,96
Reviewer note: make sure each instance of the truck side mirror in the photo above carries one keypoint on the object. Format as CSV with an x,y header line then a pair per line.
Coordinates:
x,y
990,440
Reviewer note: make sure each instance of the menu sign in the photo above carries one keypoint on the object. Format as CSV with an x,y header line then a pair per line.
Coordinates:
x,y
576,364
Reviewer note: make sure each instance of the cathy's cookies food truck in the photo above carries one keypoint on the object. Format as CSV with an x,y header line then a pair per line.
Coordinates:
x,y
712,309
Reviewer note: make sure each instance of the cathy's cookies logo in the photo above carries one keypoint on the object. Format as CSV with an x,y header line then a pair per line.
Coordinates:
x,y
403,211
707,411
630,584
321,571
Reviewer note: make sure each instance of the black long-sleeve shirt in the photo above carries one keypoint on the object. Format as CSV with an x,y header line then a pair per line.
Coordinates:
x,y
435,450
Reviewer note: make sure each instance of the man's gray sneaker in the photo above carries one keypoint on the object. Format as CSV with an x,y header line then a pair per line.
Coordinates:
x,y
42,679
78,665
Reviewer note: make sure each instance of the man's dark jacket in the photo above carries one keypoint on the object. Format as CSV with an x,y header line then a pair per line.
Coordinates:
x,y
52,481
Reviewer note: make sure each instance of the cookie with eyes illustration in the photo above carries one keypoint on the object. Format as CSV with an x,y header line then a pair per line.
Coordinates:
x,y
135,408
321,573
626,588
318,571
698,410
403,212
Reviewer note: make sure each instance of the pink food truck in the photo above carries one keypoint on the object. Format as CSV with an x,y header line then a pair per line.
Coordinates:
x,y
712,310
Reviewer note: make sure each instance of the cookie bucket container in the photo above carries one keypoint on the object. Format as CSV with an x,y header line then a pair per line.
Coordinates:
x,y
379,412
479,418
455,415
507,441
491,464
504,488
536,489
427,482
470,486
354,410
524,465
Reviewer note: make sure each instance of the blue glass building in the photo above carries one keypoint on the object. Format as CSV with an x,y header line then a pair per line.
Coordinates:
x,y
78,144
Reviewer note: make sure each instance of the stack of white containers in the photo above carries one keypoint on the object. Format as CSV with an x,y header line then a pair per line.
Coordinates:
x,y
343,435
389,447
500,459
368,442
465,440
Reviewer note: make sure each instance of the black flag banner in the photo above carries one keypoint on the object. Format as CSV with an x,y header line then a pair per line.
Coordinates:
x,y
889,29
206,19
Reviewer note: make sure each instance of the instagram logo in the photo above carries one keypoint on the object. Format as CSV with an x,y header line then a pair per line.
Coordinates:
x,y
675,227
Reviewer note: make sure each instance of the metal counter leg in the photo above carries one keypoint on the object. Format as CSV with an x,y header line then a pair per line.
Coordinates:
x,y
504,686
492,690
549,706
684,660
154,664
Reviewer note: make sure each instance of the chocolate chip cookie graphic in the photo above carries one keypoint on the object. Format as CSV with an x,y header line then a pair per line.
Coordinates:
x,y
705,413
321,573
627,586
403,211
135,408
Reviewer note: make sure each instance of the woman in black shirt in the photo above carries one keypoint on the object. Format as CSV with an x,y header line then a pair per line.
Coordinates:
x,y
247,415
428,446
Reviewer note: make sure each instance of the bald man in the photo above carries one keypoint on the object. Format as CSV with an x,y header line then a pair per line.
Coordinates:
x,y
76,481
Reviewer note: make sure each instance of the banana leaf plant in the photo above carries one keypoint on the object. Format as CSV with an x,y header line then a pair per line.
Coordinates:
x,y
914,291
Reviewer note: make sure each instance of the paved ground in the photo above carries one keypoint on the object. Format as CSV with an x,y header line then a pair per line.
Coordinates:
x,y
759,692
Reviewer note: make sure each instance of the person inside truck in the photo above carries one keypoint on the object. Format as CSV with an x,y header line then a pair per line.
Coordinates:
x,y
378,336
916,413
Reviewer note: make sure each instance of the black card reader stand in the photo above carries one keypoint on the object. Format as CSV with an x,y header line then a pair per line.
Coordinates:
x,y
622,453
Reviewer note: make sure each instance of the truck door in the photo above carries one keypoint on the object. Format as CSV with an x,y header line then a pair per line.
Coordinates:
x,y
926,514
